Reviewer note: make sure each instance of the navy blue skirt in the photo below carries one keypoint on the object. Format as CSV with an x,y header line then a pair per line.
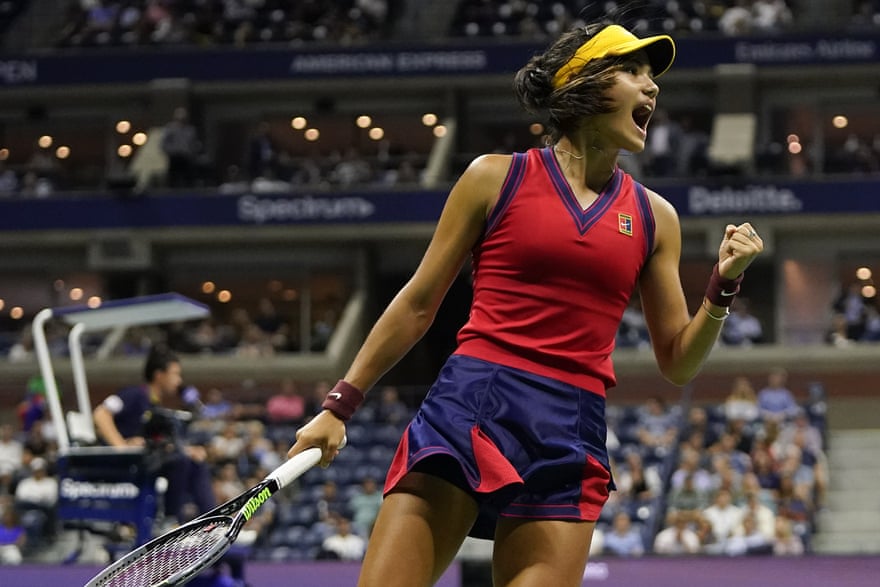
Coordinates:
x,y
522,445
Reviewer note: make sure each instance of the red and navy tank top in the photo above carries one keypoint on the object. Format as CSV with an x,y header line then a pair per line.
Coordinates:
x,y
551,279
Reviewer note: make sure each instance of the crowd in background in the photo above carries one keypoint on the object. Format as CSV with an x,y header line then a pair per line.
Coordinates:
x,y
103,23
678,141
677,147
266,328
746,476
537,20
263,329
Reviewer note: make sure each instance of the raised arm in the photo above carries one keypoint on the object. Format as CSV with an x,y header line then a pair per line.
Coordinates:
x,y
682,343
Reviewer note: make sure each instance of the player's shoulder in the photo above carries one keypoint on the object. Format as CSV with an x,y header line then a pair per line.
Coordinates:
x,y
660,206
481,182
489,166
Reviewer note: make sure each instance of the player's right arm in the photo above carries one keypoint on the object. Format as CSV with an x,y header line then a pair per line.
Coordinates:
x,y
411,312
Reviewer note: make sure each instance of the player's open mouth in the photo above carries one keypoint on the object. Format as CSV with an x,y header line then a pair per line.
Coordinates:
x,y
642,115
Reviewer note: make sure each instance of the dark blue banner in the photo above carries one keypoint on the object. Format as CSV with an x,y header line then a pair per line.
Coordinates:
x,y
229,64
734,201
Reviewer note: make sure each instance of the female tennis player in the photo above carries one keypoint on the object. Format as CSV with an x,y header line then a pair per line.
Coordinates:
x,y
509,443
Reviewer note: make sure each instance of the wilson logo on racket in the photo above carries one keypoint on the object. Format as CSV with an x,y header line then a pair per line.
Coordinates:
x,y
255,502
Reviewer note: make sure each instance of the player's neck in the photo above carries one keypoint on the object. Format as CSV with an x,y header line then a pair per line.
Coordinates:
x,y
584,164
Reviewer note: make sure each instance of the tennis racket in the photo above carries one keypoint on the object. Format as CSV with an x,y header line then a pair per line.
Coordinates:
x,y
180,554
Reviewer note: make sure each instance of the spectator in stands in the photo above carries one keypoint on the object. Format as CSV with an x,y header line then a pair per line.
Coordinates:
x,y
217,408
33,407
703,529
227,445
775,400
322,329
234,182
623,539
786,542
268,182
330,503
271,322
736,21
689,466
793,467
801,432
227,483
872,323
39,489
288,405
259,452
364,506
742,401
637,484
723,514
748,540
180,143
742,328
262,151
725,476
13,536
865,16
316,397
656,428
765,470
351,170
138,416
38,494
11,457
727,449
8,181
662,150
344,544
687,499
254,343
697,431
764,517
633,330
23,348
850,306
693,158
390,409
677,537
40,441
770,16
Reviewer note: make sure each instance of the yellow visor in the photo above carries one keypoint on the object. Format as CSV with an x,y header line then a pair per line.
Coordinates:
x,y
615,40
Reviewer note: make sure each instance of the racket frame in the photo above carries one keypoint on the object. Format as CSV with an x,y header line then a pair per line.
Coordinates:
x,y
243,506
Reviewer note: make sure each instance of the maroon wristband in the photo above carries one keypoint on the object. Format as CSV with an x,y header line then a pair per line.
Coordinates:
x,y
721,290
343,400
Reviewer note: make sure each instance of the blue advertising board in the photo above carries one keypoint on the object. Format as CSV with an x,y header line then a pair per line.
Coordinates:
x,y
857,196
127,65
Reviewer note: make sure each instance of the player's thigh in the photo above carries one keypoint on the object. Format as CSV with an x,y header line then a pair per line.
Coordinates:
x,y
418,532
539,553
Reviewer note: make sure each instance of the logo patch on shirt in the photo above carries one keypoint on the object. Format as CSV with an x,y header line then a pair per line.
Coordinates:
x,y
625,224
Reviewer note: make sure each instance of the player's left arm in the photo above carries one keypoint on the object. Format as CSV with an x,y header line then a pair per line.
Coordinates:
x,y
681,343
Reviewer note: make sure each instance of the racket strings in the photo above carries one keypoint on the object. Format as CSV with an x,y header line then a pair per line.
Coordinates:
x,y
180,552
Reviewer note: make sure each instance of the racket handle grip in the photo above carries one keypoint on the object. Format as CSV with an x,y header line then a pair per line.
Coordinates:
x,y
296,466
299,464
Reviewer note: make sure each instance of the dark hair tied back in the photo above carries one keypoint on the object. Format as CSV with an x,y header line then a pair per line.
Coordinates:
x,y
582,96
533,86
